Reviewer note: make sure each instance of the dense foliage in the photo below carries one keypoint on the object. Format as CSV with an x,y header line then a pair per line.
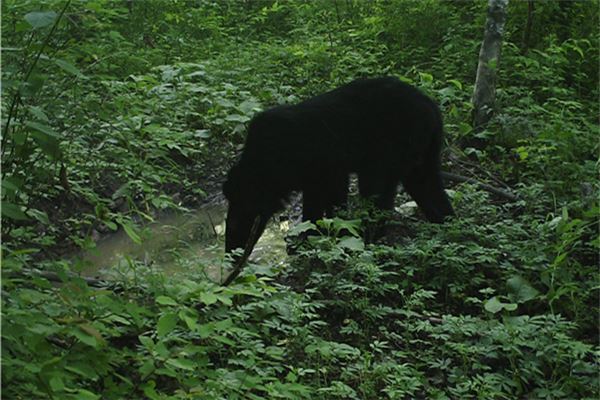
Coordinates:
x,y
113,111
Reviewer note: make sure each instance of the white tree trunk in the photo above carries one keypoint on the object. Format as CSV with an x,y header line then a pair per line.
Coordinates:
x,y
484,94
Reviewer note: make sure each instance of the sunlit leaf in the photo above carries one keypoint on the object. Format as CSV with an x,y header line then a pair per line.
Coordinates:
x,y
301,228
493,305
456,83
166,301
352,243
40,19
182,364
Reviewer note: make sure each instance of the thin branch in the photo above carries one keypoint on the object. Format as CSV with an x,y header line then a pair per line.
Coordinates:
x,y
240,262
16,98
456,158
499,192
212,224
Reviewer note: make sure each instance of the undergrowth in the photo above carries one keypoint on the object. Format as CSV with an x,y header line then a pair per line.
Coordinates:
x,y
114,112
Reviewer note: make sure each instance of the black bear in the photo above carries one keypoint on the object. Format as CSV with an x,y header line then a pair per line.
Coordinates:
x,y
382,129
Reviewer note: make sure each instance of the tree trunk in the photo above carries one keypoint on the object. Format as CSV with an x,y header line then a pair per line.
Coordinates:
x,y
485,84
527,32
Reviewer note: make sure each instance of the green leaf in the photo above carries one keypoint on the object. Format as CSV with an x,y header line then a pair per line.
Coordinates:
x,y
249,106
111,225
116,36
301,228
56,384
146,342
191,322
493,305
224,324
166,323
205,330
464,128
208,298
11,183
224,340
39,216
182,363
13,211
40,19
83,394
352,243
84,337
38,113
202,133
130,231
166,301
43,129
149,390
522,152
82,368
92,331
48,144
425,77
579,51
225,299
521,290
45,137
237,118
351,225
122,191
70,68
456,83
147,368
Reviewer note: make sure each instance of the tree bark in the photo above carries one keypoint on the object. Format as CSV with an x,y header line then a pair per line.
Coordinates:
x,y
484,95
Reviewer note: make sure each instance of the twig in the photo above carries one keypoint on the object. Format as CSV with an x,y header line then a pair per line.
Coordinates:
x,y
499,192
459,160
212,224
239,264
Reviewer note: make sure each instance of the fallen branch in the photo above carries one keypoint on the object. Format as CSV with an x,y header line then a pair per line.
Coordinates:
x,y
240,262
456,158
499,192
54,277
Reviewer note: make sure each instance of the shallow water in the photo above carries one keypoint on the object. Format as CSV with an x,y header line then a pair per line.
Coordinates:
x,y
178,242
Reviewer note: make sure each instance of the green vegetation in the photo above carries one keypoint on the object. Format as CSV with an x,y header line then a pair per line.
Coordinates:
x,y
116,111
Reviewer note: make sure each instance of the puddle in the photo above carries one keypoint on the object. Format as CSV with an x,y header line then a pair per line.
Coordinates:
x,y
180,242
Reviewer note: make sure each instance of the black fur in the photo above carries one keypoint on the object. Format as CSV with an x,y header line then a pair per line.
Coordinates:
x,y
382,129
